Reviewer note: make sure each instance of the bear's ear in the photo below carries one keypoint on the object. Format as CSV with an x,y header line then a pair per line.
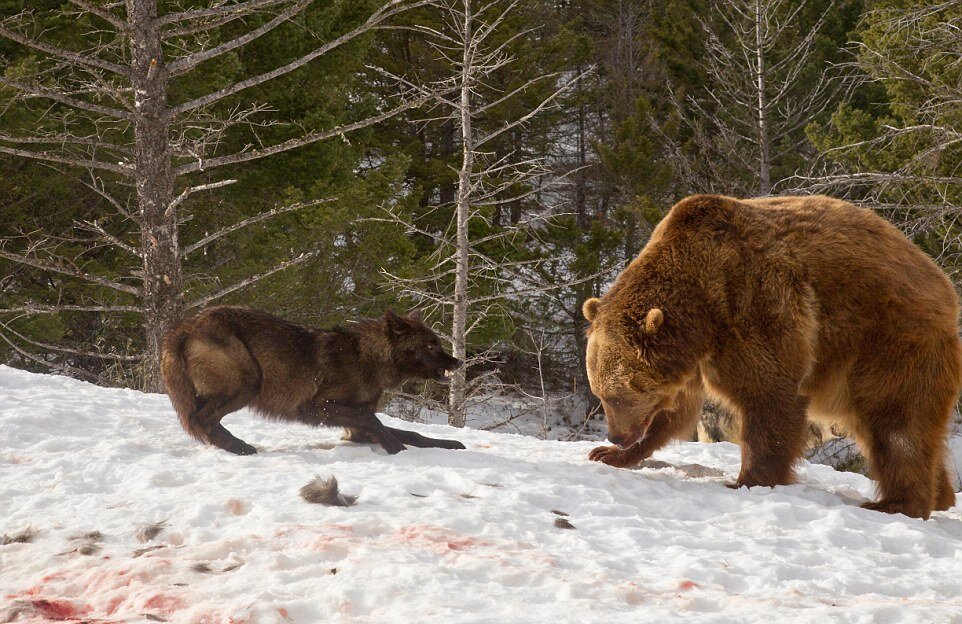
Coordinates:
x,y
653,320
415,315
590,308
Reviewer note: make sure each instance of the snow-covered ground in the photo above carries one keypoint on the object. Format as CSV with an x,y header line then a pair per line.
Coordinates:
x,y
436,536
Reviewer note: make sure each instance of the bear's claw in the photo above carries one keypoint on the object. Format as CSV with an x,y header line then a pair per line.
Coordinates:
x,y
613,456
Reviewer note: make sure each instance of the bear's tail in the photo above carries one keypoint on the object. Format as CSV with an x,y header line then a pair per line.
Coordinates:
x,y
180,387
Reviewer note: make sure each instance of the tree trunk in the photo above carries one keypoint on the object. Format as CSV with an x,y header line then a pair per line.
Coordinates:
x,y
448,190
581,183
456,407
764,162
163,300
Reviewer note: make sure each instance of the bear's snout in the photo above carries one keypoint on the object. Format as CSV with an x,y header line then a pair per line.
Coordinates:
x,y
624,440
619,440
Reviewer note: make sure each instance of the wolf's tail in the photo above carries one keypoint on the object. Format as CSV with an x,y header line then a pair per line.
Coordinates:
x,y
180,388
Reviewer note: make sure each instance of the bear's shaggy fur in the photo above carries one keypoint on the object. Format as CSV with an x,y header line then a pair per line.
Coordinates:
x,y
783,309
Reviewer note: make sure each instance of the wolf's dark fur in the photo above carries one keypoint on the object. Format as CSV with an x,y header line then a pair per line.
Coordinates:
x,y
226,358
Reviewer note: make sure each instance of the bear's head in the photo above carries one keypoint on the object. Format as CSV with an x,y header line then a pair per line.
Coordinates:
x,y
632,369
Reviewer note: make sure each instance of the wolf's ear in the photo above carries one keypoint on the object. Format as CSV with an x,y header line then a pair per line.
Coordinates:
x,y
653,321
415,315
395,324
590,308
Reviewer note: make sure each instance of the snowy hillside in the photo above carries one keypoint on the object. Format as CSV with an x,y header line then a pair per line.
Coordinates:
x,y
436,536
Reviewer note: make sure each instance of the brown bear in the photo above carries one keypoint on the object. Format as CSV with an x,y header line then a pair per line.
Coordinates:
x,y
784,309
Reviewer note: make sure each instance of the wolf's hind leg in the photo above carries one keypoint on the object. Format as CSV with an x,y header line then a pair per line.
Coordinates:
x,y
209,415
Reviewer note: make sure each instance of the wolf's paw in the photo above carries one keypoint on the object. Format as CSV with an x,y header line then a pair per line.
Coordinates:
x,y
392,445
454,445
241,448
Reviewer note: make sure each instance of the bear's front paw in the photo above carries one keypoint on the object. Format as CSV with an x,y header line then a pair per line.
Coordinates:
x,y
748,483
613,456
913,510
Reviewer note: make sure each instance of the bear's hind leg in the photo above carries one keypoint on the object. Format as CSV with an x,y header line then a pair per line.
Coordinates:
x,y
944,492
902,465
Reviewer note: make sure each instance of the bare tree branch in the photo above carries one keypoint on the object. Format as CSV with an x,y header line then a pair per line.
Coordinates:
x,y
387,11
73,57
102,13
43,92
56,267
67,160
252,279
190,190
185,64
95,227
49,347
239,8
249,221
301,141
31,309
52,365
65,139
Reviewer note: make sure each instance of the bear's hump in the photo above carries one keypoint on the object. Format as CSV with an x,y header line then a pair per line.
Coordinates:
x,y
702,212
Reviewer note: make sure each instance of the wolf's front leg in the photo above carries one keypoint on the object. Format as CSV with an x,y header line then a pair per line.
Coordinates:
x,y
416,439
355,419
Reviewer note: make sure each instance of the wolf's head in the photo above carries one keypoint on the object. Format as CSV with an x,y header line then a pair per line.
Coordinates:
x,y
416,350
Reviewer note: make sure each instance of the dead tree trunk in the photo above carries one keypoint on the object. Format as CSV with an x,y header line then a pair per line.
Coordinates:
x,y
764,158
456,408
158,144
759,55
163,297
493,174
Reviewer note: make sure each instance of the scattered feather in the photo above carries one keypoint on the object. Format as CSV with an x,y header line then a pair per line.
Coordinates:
x,y
153,618
141,551
563,523
468,496
558,513
324,492
147,532
86,544
88,548
23,536
202,567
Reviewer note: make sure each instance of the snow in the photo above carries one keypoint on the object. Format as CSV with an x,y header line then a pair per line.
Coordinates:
x,y
452,536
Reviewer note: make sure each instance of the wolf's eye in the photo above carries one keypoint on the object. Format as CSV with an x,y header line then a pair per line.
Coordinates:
x,y
615,402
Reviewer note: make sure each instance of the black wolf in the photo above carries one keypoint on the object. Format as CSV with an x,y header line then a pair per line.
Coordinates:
x,y
226,358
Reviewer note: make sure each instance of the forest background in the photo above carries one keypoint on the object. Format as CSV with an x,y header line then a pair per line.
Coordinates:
x,y
492,163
